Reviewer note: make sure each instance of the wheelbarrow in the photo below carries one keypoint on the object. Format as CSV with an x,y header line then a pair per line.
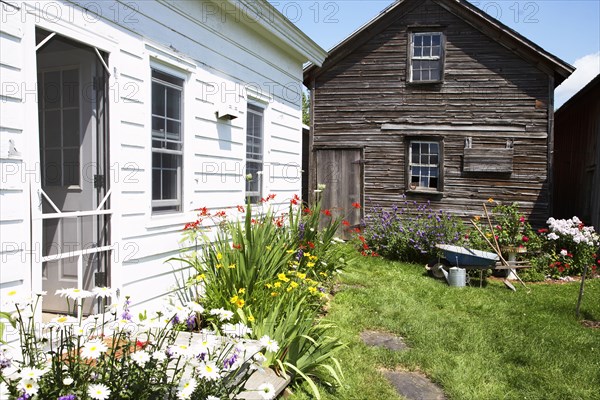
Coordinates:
x,y
461,257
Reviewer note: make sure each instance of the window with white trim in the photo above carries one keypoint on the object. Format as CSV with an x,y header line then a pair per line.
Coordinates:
x,y
426,60
424,172
167,142
254,152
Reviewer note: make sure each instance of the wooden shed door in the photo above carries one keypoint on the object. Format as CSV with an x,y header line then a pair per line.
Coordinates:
x,y
341,171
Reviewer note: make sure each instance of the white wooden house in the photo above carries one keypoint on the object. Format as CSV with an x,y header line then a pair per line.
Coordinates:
x,y
119,119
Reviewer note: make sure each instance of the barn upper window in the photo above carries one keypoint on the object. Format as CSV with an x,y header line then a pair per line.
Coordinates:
x,y
424,169
427,57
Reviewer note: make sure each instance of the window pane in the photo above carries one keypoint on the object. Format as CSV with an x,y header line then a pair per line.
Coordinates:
x,y
158,99
436,40
71,128
158,127
418,52
418,40
52,89
435,51
71,167
435,74
426,40
155,184
52,132
169,184
433,159
173,103
435,148
173,129
70,88
169,161
53,167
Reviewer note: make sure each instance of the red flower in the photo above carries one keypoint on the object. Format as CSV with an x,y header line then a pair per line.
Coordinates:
x,y
543,230
203,211
363,253
522,219
327,213
240,208
221,214
374,254
311,245
365,246
236,246
356,205
271,196
345,223
525,239
361,238
356,230
192,225
253,221
307,210
279,222
295,200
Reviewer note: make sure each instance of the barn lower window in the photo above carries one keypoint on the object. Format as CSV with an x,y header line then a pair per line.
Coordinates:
x,y
167,142
424,170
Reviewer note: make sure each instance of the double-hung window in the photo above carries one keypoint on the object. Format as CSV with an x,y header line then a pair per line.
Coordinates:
x,y
425,165
167,142
427,57
254,152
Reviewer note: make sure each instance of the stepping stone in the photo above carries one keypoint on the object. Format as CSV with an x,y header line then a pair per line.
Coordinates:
x,y
383,339
414,386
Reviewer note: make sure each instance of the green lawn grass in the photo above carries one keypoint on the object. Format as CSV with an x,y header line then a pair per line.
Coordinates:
x,y
476,343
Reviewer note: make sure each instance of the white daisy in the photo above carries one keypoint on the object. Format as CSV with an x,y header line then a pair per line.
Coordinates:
x,y
159,355
207,344
104,292
140,358
224,315
195,307
32,373
74,293
98,391
209,371
212,398
29,386
269,344
68,381
93,349
266,391
258,361
186,389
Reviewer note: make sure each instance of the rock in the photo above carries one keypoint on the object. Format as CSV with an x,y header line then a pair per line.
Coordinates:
x,y
414,386
383,339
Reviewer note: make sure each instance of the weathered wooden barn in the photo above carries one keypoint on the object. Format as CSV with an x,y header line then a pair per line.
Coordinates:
x,y
577,156
439,101
119,120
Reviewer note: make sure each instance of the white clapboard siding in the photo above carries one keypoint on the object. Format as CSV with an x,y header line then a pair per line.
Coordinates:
x,y
14,92
225,62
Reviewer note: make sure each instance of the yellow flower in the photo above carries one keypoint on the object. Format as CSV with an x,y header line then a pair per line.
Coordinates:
x,y
312,290
306,254
293,285
301,275
488,235
282,277
219,256
291,251
231,266
219,266
323,273
289,289
268,286
200,277
240,303
277,284
250,318
490,200
273,294
310,264
234,299
477,218
242,291
313,258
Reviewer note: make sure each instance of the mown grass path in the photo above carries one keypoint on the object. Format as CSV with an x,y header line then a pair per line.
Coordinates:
x,y
476,343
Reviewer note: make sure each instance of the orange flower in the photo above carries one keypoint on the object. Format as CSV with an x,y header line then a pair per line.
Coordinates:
x,y
356,205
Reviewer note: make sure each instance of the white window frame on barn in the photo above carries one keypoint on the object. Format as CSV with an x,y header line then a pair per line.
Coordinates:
x,y
424,52
428,165
165,145
255,140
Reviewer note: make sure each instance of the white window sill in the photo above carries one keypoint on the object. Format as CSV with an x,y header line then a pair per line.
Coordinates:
x,y
430,192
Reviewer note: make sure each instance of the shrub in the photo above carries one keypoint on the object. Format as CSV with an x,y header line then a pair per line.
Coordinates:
x,y
270,270
568,246
410,232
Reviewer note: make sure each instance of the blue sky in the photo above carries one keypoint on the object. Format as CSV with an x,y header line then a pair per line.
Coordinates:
x,y
569,29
